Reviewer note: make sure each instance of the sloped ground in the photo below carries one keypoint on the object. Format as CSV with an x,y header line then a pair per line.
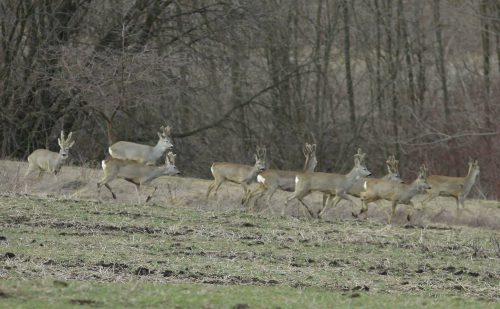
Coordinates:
x,y
59,247
80,183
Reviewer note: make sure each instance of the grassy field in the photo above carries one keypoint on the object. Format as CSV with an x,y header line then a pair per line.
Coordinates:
x,y
60,248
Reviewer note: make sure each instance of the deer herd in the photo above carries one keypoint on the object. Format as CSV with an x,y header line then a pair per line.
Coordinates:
x,y
136,163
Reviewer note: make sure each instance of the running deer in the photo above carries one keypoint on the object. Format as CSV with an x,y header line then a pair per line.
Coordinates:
x,y
272,180
136,173
396,193
392,174
358,187
48,161
143,153
329,183
238,173
456,187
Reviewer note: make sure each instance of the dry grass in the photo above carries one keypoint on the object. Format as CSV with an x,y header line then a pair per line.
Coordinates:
x,y
58,241
80,183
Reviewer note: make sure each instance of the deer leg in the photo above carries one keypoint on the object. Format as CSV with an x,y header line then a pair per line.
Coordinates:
x,y
288,199
306,207
137,191
214,186
327,198
151,195
364,209
427,199
410,211
109,188
210,187
394,204
270,194
258,194
457,200
246,194
31,169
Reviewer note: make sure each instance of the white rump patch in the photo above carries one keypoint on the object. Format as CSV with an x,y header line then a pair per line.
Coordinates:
x,y
296,179
365,185
103,164
212,169
261,179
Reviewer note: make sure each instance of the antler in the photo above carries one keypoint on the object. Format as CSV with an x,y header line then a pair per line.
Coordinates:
x,y
309,149
166,130
261,151
170,158
423,170
392,164
66,142
359,156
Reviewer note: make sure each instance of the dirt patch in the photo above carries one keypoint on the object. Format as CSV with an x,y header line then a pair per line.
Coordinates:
x,y
86,302
143,271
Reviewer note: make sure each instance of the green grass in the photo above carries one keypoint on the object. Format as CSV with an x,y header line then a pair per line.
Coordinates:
x,y
138,294
56,253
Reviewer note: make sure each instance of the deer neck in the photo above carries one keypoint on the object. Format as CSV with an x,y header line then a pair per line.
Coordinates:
x,y
409,191
252,175
469,181
154,173
351,178
59,161
309,165
159,149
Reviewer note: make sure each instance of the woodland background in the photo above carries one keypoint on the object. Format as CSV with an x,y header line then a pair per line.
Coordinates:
x,y
419,79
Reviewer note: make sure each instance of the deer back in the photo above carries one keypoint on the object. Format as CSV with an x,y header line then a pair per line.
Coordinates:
x,y
233,172
45,160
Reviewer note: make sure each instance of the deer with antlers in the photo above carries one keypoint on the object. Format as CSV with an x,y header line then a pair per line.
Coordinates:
x,y
271,180
329,183
48,161
456,187
396,193
238,173
137,173
143,153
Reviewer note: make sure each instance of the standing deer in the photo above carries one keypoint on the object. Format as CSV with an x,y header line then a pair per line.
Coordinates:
x,y
271,180
396,193
238,173
456,187
328,183
136,173
48,161
143,153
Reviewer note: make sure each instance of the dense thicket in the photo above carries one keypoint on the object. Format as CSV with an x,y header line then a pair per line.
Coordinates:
x,y
415,78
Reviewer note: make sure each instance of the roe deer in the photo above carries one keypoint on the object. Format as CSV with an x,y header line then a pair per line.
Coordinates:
x,y
392,174
237,173
396,193
143,153
136,173
456,187
48,161
271,180
358,187
328,183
